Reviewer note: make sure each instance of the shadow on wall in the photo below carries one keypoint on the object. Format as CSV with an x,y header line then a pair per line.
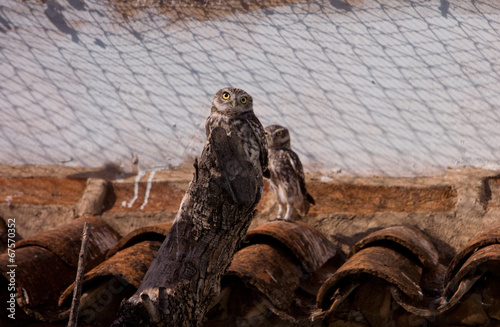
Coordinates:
x,y
55,15
106,81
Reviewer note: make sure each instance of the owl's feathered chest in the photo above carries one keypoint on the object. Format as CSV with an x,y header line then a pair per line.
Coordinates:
x,y
281,164
229,124
287,175
249,131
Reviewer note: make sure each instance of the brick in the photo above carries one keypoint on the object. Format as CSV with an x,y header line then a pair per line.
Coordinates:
x,y
41,190
493,193
163,196
366,199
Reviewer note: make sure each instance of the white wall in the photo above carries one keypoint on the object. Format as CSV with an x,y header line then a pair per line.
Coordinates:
x,y
370,87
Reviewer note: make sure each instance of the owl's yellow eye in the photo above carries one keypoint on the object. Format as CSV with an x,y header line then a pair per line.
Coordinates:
x,y
266,134
243,100
226,95
279,133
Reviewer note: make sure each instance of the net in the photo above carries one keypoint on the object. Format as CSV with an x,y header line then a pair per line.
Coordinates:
x,y
367,87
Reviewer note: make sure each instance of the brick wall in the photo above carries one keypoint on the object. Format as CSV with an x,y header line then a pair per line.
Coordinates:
x,y
451,208
443,213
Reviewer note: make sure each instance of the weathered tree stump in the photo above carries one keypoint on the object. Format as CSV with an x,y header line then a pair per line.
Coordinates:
x,y
184,278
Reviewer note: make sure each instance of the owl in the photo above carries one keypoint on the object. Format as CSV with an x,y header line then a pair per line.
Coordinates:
x,y
286,174
232,109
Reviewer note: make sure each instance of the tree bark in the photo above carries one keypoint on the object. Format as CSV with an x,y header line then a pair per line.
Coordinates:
x,y
213,218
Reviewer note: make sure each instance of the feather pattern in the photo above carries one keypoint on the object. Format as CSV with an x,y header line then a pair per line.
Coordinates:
x,y
287,179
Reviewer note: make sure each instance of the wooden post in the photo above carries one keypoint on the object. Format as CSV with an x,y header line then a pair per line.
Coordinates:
x,y
217,209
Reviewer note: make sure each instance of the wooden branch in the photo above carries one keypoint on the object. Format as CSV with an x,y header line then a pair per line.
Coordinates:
x,y
213,218
82,259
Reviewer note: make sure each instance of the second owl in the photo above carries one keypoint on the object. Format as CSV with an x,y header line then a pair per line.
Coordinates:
x,y
286,174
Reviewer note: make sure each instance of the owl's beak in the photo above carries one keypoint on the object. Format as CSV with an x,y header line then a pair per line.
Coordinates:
x,y
233,103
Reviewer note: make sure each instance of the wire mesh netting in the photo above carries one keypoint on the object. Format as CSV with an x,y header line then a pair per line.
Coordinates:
x,y
377,86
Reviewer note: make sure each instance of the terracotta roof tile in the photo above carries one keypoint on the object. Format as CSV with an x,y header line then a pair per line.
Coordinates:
x,y
46,264
283,271
65,241
40,277
156,232
277,267
472,276
409,237
310,246
275,276
105,286
396,258
489,236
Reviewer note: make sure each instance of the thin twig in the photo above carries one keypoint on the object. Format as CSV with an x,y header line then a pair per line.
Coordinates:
x,y
82,258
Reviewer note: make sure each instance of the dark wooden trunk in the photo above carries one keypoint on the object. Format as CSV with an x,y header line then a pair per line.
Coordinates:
x,y
184,278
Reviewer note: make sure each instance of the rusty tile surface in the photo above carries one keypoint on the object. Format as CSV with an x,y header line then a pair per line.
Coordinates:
x,y
193,9
280,267
40,278
270,270
127,267
41,190
156,232
366,199
489,236
488,255
472,294
384,263
127,197
310,246
65,241
411,238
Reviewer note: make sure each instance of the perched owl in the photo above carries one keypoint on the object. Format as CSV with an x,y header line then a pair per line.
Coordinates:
x,y
232,109
286,173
